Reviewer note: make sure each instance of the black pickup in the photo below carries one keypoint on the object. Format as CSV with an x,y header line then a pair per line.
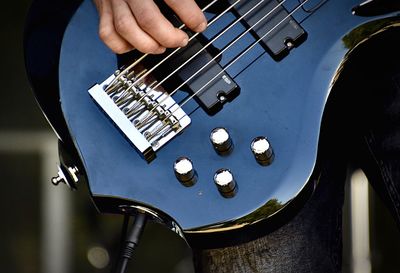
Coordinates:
x,y
199,70
211,85
281,31
196,67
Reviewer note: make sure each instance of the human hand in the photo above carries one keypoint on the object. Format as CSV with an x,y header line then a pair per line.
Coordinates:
x,y
128,24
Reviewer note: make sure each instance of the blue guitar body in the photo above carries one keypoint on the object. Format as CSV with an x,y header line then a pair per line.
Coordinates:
x,y
283,100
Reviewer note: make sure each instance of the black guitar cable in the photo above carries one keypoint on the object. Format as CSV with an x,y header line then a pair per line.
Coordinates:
x,y
131,241
124,232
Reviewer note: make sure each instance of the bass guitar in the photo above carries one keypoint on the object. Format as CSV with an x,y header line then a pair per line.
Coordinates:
x,y
218,141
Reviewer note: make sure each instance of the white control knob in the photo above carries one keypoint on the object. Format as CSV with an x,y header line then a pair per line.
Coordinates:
x,y
184,171
221,140
225,182
262,150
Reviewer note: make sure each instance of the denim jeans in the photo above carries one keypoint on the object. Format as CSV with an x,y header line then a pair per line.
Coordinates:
x,y
362,129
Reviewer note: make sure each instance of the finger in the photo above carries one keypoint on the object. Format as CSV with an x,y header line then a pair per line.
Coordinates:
x,y
128,28
107,32
190,14
152,21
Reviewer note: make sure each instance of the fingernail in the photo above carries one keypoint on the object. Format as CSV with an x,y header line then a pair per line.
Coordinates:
x,y
201,27
159,50
184,42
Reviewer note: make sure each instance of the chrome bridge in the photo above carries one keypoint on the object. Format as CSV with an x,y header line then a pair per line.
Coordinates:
x,y
144,112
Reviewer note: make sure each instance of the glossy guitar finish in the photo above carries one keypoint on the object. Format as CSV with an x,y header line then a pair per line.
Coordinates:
x,y
283,101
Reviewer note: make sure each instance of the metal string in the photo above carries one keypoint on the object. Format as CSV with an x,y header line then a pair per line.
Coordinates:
x,y
150,113
170,55
120,74
210,43
231,63
191,38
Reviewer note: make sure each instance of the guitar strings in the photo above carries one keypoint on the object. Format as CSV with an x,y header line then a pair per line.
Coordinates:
x,y
161,127
150,114
233,61
232,24
120,74
122,96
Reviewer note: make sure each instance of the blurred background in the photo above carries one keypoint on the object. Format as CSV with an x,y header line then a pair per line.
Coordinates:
x,y
51,229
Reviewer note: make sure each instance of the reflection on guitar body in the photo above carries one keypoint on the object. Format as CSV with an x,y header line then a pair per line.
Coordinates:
x,y
217,140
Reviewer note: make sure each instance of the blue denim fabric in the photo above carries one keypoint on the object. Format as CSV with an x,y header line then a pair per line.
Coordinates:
x,y
363,132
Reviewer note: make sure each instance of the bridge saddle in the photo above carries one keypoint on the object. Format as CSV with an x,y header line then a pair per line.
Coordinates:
x,y
144,112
